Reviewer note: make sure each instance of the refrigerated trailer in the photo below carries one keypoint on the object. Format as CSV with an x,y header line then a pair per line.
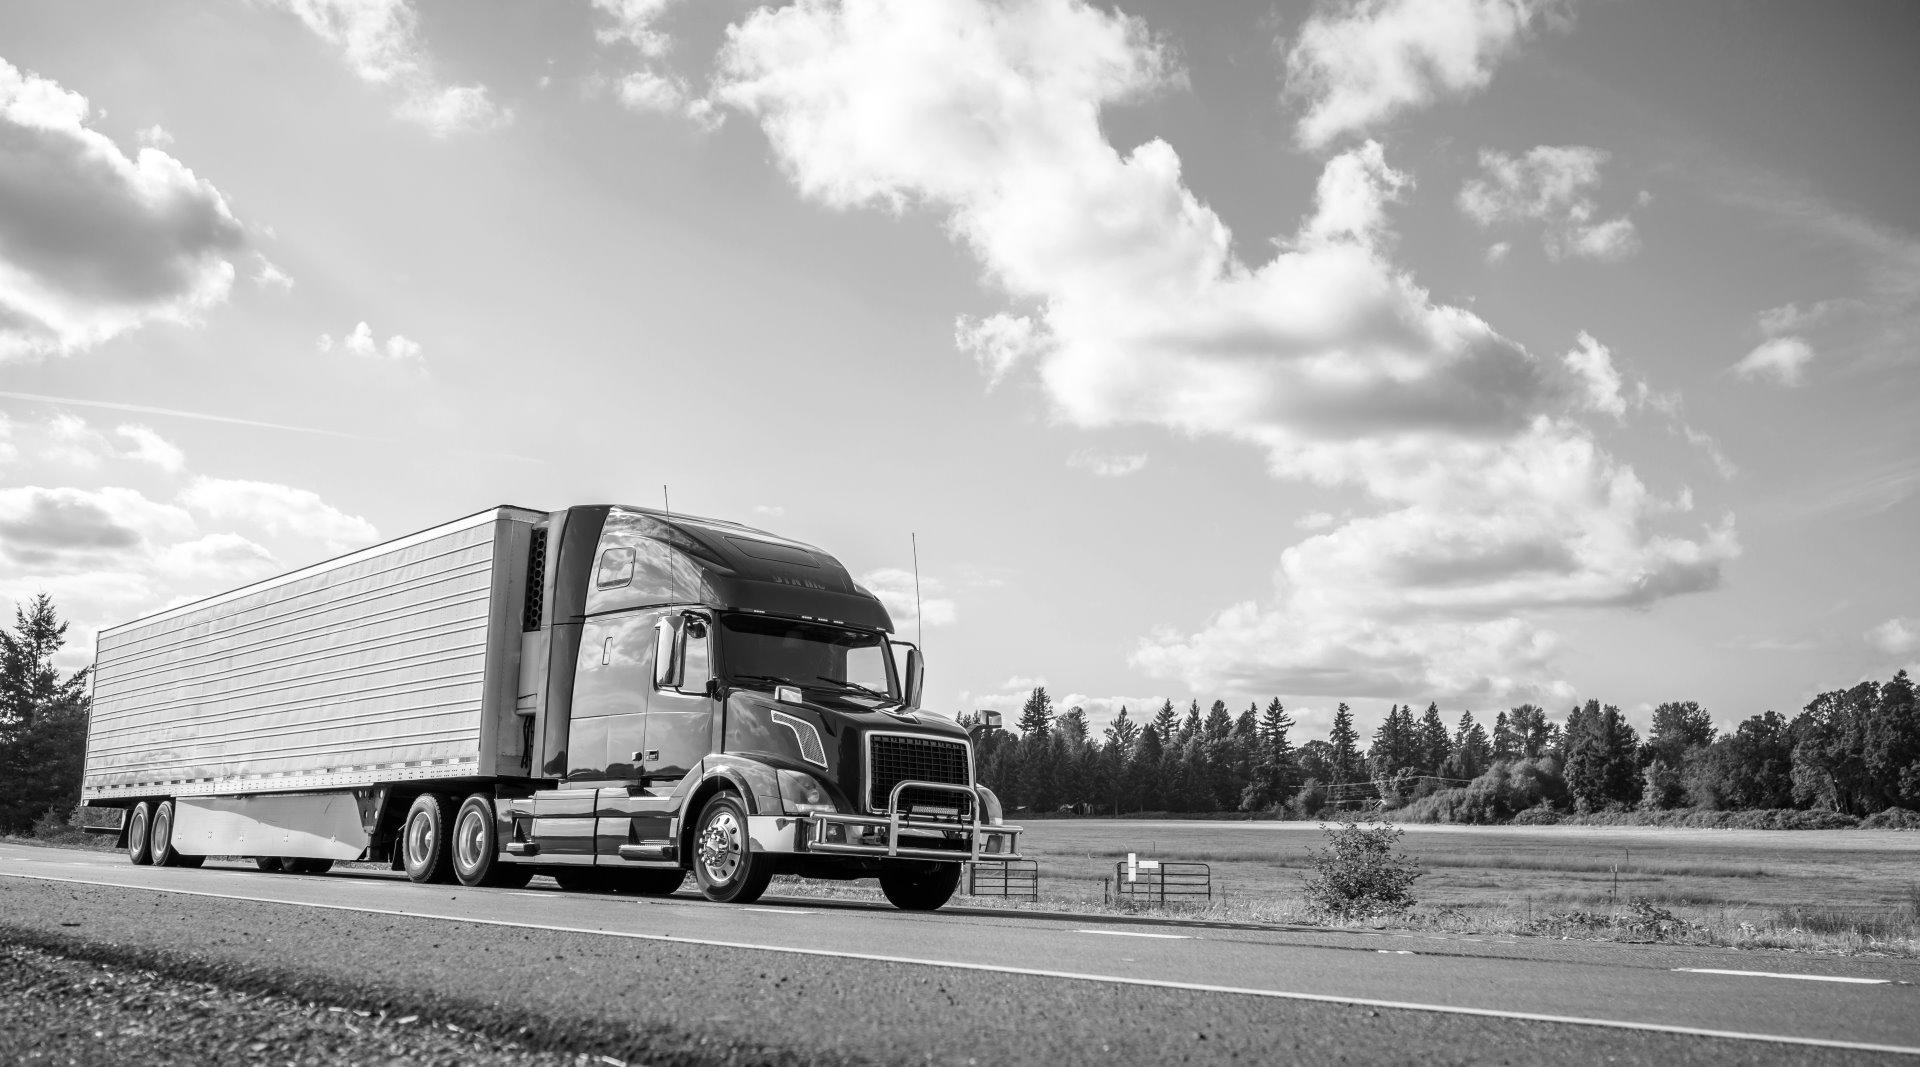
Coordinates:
x,y
612,696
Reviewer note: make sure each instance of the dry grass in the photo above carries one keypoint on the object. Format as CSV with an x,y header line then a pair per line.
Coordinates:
x,y
1838,890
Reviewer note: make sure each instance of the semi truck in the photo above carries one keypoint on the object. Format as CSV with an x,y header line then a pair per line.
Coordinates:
x,y
610,696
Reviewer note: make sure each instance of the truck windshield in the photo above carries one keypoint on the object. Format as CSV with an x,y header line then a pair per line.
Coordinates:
x,y
767,650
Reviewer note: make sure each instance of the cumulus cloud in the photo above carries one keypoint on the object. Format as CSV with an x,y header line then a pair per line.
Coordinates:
x,y
92,243
222,557
380,40
45,527
361,342
1783,359
278,509
895,589
268,276
1592,363
1358,63
1897,636
146,446
998,342
1495,502
651,86
1107,464
1553,186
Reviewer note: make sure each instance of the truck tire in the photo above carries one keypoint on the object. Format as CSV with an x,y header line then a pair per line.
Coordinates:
x,y
425,838
648,883
476,847
160,836
919,886
724,862
269,864
189,862
139,822
305,866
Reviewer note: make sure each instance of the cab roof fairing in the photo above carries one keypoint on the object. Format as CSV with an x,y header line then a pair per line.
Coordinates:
x,y
737,568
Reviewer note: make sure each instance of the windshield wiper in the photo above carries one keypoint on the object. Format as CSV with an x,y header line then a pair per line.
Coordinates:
x,y
774,678
857,687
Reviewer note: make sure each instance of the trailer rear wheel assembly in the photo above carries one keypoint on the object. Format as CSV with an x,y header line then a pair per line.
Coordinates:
x,y
724,862
138,824
425,838
269,864
919,886
160,836
298,865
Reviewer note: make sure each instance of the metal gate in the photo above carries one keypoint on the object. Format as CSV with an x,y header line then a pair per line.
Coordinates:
x,y
1007,878
1173,880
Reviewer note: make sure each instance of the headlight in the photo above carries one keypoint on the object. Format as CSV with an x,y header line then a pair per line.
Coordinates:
x,y
802,793
989,805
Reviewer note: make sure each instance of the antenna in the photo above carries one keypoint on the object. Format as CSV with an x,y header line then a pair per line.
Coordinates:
x,y
666,501
919,632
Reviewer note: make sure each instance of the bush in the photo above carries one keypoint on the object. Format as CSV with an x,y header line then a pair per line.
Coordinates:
x,y
1538,815
1308,801
1895,818
1760,819
57,828
1358,875
1503,792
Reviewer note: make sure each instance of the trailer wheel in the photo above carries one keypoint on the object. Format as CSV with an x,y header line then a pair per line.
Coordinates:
x,y
189,862
476,847
425,838
919,886
137,840
305,866
724,862
160,836
269,864
649,883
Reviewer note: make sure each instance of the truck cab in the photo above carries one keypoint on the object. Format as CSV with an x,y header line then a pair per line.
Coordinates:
x,y
697,695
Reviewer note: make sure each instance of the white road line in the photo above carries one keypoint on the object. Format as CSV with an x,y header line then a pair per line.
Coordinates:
x,y
1136,933
1777,974
1036,972
773,911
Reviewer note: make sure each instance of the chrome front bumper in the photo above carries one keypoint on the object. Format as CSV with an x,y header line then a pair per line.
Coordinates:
x,y
903,837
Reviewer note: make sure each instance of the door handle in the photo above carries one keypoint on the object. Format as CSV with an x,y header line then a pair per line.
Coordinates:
x,y
606,652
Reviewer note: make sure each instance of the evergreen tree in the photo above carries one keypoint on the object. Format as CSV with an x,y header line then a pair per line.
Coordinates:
x,y
43,719
1072,727
1387,755
1472,753
1434,742
1036,716
1189,726
1122,732
1532,733
1163,723
1149,755
1219,724
1602,759
1246,728
1345,755
1505,745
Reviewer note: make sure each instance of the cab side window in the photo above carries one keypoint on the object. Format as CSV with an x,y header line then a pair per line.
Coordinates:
x,y
696,663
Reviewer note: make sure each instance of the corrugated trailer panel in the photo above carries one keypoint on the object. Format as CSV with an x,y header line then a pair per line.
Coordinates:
x,y
397,662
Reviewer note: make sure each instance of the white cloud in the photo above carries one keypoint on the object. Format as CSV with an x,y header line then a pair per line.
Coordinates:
x,y
1497,251
1592,363
1358,63
147,446
651,86
1897,636
361,342
1784,359
1495,502
63,527
381,42
1554,186
94,244
895,588
278,509
1107,464
772,511
154,136
268,276
1315,520
997,342
225,558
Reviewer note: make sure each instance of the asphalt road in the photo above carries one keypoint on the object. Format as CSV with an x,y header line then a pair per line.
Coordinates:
x,y
805,980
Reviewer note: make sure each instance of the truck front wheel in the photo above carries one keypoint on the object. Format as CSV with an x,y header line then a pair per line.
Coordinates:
x,y
425,841
724,862
138,845
919,886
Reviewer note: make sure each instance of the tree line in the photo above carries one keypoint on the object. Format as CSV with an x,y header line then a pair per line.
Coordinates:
x,y
43,720
1853,751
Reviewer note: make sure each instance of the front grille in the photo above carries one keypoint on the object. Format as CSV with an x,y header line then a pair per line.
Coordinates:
x,y
894,759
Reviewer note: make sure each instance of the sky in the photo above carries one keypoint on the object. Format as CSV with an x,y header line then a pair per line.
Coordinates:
x,y
1474,352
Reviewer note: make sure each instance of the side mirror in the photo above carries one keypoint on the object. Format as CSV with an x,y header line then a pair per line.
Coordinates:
x,y
666,662
916,677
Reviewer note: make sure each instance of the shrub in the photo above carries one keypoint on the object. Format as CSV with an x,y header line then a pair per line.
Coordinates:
x,y
1761,819
1307,803
57,828
1538,815
1503,792
1892,819
1358,875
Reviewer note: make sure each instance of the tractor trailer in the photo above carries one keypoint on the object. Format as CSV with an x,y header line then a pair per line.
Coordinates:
x,y
611,696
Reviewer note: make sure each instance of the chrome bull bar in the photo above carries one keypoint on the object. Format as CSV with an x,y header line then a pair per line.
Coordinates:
x,y
854,832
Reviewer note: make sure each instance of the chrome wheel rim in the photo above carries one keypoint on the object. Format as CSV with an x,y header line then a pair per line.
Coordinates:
x,y
469,838
419,839
720,847
137,833
162,832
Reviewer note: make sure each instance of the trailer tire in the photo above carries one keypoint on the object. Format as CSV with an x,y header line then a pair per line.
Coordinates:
x,y
305,866
138,843
189,862
476,847
269,864
160,836
912,887
649,883
425,840
724,862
